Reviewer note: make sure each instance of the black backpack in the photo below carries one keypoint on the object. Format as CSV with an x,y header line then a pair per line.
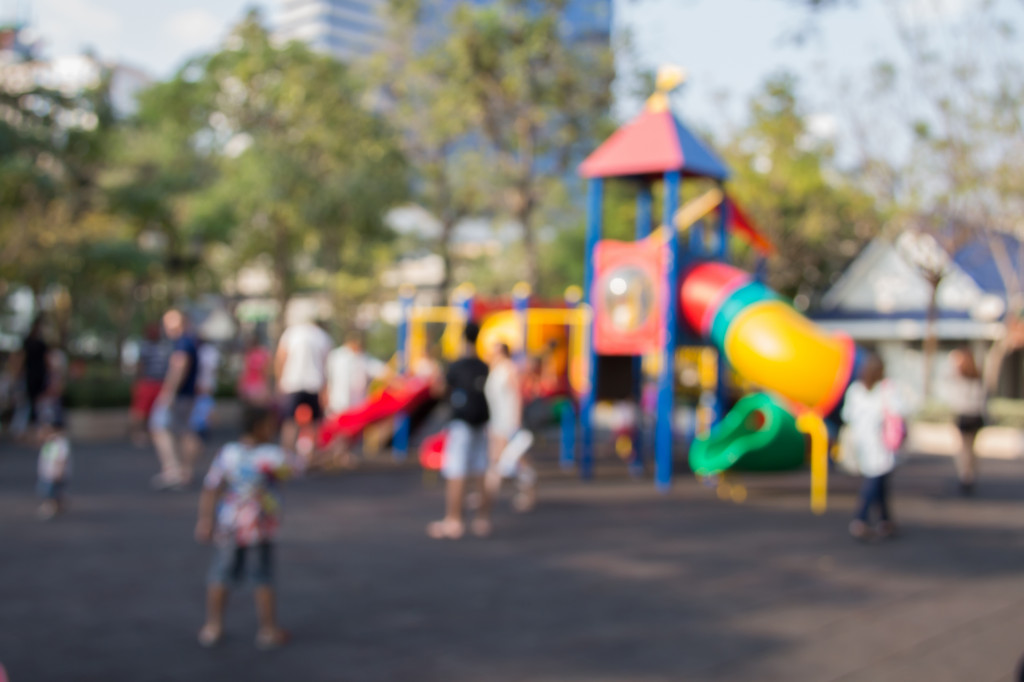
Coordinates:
x,y
466,379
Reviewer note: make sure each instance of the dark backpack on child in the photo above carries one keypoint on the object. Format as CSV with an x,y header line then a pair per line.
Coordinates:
x,y
466,380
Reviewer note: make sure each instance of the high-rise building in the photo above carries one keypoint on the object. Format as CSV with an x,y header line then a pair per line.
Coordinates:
x,y
346,29
357,28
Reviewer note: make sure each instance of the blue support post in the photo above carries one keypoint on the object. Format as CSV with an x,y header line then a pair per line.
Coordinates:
x,y
467,305
521,305
570,415
722,390
401,440
644,210
667,380
567,420
724,218
761,270
595,196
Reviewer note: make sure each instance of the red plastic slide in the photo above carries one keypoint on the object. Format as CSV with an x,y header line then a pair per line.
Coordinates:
x,y
403,395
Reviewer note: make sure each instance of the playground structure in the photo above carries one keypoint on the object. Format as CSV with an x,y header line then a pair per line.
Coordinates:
x,y
671,290
638,289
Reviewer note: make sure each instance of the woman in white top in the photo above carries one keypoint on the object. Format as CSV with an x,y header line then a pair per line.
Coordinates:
x,y
508,441
870,401
966,396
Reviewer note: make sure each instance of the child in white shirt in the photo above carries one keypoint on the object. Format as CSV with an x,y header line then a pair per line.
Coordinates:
x,y
54,469
873,412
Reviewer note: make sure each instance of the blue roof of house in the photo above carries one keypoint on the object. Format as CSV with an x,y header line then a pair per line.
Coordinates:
x,y
978,262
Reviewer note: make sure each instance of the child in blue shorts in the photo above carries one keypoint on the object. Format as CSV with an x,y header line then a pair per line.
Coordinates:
x,y
239,512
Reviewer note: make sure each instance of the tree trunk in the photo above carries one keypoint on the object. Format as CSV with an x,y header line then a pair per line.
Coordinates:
x,y
282,274
931,339
532,256
445,246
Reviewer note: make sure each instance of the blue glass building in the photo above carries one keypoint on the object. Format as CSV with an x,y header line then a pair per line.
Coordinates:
x,y
356,28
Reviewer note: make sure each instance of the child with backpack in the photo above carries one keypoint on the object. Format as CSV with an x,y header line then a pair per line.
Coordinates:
x,y
874,416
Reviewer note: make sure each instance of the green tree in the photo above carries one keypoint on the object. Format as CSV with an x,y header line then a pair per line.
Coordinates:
x,y
537,101
435,126
787,180
270,150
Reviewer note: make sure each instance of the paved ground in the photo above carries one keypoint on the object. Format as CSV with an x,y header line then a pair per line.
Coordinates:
x,y
607,581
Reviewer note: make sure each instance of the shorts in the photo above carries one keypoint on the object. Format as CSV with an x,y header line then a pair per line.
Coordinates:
x,y
294,400
51,490
970,423
465,451
228,566
175,418
144,395
199,420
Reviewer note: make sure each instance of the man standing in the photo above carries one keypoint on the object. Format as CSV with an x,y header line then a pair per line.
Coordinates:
x,y
349,372
300,367
173,407
466,451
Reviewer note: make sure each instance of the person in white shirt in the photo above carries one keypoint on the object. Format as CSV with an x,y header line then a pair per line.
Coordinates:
x,y
300,367
509,441
872,410
966,396
349,373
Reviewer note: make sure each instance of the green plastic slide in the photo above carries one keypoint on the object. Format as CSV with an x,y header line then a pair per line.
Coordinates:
x,y
758,434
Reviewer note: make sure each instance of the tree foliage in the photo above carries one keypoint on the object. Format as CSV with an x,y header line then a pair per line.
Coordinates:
x,y
537,101
786,178
271,151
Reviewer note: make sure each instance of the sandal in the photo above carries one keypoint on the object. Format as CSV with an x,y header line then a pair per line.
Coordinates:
x,y
446,530
268,641
481,527
860,531
210,636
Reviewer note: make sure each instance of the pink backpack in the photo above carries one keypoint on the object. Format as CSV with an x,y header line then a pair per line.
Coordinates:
x,y
894,427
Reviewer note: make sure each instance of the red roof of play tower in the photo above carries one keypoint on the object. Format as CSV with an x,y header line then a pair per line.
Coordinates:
x,y
653,142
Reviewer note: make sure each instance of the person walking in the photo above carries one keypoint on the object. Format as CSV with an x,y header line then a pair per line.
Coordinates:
x,y
33,366
966,396
150,370
873,414
208,362
509,441
466,449
300,366
169,422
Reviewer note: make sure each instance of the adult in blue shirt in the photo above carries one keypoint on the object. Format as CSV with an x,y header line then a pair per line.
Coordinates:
x,y
169,423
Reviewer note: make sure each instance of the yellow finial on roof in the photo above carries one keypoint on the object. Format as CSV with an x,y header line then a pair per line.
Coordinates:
x,y
669,78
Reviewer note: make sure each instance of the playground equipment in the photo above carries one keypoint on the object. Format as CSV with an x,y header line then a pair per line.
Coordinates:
x,y
560,334
637,290
670,288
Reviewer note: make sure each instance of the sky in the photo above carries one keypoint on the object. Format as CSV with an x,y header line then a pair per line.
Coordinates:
x,y
726,46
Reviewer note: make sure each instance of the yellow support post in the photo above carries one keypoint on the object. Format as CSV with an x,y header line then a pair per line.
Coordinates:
x,y
814,426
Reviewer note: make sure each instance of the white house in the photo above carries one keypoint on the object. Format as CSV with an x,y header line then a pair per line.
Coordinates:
x,y
882,302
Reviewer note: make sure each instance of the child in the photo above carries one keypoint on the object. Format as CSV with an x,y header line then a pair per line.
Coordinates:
x,y
241,487
54,465
871,407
